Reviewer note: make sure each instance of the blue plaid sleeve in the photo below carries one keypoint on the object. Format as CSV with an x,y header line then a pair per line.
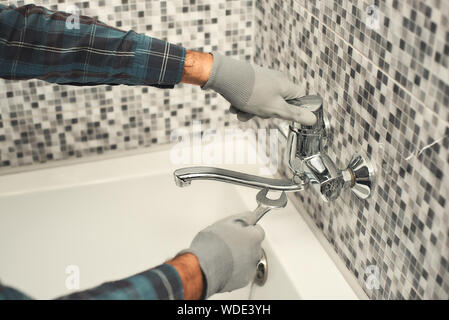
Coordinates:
x,y
160,283
8,293
39,43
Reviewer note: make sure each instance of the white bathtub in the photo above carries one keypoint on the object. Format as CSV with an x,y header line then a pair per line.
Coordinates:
x,y
115,217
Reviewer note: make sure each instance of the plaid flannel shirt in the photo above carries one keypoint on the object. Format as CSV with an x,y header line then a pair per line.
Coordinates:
x,y
36,43
39,43
160,283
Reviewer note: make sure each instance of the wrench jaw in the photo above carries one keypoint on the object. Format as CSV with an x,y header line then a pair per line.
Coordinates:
x,y
262,199
265,204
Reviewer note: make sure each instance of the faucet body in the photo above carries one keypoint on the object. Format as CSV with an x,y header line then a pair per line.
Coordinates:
x,y
308,160
307,151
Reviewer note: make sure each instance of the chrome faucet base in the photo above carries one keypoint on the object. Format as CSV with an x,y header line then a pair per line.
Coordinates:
x,y
307,156
362,177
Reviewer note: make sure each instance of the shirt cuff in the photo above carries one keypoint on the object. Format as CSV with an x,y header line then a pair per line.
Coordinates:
x,y
174,279
158,63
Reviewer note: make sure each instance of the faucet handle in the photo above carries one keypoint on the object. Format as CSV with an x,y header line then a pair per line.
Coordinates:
x,y
359,176
304,141
313,103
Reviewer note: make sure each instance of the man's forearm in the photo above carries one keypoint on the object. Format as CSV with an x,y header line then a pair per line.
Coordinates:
x,y
189,271
36,42
197,67
118,57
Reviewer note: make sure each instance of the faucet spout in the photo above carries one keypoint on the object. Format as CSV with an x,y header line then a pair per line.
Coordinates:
x,y
183,177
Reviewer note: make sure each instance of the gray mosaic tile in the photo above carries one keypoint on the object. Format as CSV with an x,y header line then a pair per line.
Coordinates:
x,y
408,42
375,108
35,115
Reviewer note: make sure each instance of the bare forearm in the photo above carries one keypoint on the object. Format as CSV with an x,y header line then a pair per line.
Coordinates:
x,y
189,271
197,67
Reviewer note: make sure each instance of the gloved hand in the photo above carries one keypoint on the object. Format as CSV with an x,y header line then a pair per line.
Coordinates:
x,y
228,252
253,90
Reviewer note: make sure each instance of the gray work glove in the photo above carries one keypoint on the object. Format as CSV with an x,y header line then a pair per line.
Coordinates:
x,y
228,252
253,90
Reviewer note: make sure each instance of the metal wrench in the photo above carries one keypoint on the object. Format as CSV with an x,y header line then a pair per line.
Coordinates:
x,y
265,204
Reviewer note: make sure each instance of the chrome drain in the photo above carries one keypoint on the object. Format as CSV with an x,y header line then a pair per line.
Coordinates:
x,y
262,270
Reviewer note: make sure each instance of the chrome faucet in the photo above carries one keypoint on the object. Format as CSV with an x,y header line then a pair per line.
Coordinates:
x,y
308,158
308,161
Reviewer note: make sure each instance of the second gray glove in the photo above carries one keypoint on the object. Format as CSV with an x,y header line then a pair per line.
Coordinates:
x,y
228,252
253,90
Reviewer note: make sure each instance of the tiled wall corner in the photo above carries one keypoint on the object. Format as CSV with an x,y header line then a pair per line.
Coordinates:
x,y
42,122
386,93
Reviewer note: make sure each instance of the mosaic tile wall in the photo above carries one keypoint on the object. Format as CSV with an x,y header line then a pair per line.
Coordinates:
x,y
41,122
385,82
